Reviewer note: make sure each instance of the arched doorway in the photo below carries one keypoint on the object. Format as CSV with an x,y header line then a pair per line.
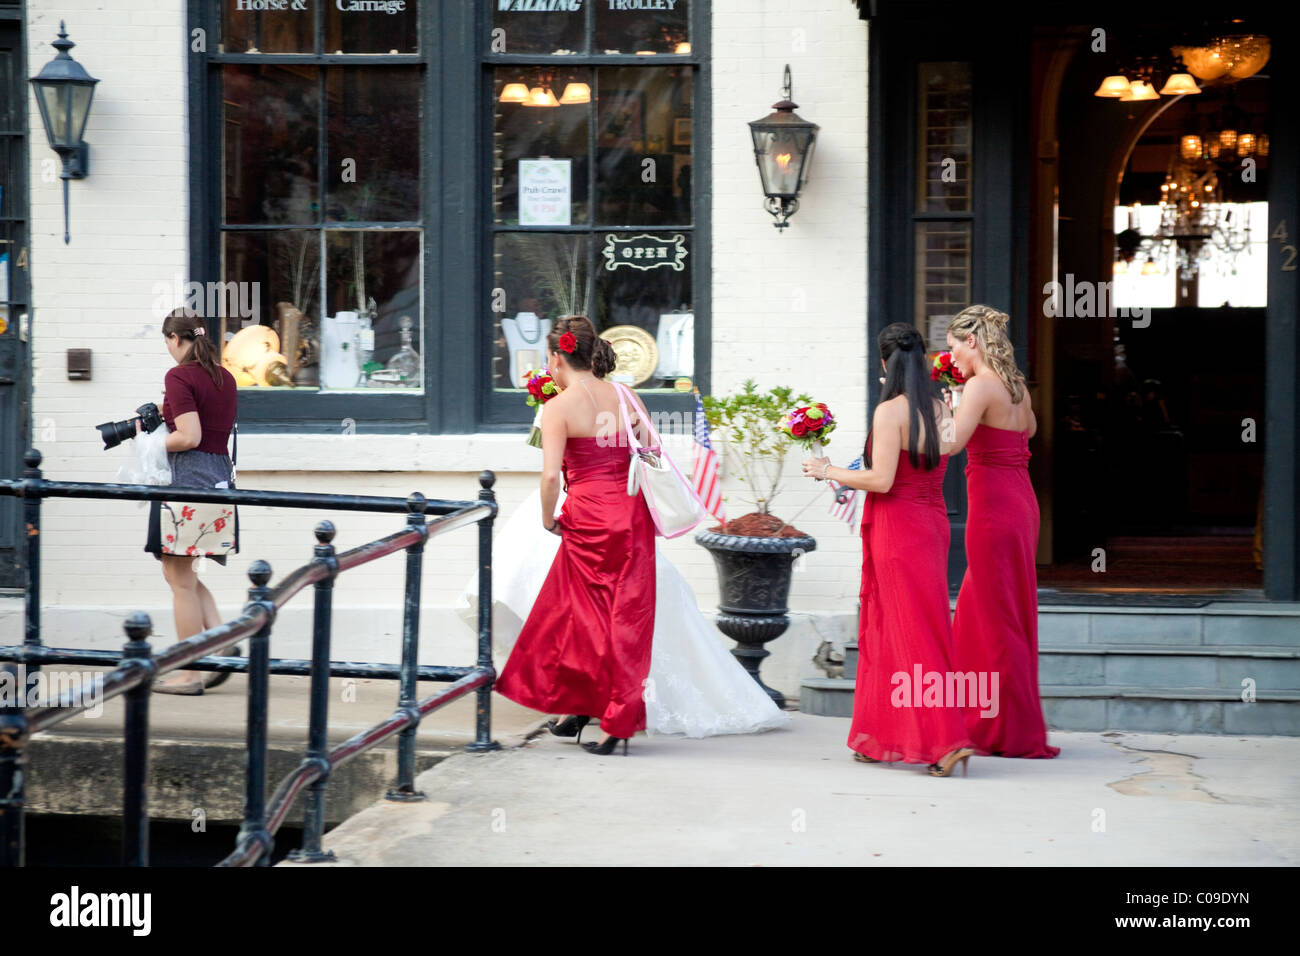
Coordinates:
x,y
1156,371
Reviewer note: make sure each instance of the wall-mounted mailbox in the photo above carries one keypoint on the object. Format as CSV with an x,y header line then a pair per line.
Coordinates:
x,y
79,365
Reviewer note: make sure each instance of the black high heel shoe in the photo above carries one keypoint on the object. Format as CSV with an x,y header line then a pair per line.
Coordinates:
x,y
607,748
569,727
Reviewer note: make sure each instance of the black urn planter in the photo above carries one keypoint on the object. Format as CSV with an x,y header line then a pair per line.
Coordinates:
x,y
754,581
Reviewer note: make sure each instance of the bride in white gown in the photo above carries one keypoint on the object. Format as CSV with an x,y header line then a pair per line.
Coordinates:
x,y
695,688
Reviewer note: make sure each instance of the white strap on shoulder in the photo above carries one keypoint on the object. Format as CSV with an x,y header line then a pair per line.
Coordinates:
x,y
649,426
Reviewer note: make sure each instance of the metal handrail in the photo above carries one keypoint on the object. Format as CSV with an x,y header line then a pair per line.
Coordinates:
x,y
138,667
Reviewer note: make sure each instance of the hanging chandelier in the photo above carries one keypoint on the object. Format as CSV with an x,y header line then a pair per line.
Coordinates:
x,y
1226,59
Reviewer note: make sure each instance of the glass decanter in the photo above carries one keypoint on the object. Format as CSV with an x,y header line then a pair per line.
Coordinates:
x,y
406,361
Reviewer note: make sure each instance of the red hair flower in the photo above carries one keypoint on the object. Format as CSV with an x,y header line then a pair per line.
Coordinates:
x,y
568,342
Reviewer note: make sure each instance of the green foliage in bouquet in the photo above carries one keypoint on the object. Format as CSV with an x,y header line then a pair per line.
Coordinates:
x,y
750,421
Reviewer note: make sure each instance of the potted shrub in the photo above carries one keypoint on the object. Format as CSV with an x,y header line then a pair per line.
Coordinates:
x,y
754,553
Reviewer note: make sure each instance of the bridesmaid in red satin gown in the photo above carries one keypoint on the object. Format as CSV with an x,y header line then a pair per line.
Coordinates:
x,y
585,648
904,629
995,628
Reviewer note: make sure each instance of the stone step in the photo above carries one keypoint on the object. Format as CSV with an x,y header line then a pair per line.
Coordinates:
x,y
1226,667
1172,710
1221,623
827,697
1156,709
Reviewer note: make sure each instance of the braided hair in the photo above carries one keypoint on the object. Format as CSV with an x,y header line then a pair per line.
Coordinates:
x,y
989,326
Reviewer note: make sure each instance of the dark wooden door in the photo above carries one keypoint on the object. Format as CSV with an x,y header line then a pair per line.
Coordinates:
x,y
14,298
946,130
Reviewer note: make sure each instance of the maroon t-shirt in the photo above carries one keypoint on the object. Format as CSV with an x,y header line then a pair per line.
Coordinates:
x,y
188,388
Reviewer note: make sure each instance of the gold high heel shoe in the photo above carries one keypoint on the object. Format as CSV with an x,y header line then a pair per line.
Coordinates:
x,y
945,766
863,758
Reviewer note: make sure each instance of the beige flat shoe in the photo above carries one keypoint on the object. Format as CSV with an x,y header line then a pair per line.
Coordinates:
x,y
177,684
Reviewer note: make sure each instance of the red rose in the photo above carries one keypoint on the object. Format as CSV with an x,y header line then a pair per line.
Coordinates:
x,y
568,342
798,429
535,388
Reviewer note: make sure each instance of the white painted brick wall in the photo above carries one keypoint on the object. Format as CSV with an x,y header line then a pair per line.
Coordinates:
x,y
788,308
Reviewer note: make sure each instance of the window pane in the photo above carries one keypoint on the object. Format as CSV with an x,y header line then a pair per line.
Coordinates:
x,y
271,280
643,301
942,277
373,276
541,151
627,26
268,26
643,145
374,144
537,278
372,26
529,26
272,116
943,137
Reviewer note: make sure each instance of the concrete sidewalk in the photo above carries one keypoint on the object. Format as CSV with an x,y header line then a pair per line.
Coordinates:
x,y
795,797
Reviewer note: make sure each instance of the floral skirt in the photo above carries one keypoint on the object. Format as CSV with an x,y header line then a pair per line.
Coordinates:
x,y
190,527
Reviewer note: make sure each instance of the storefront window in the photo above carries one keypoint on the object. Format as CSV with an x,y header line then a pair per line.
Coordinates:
x,y
592,199
320,235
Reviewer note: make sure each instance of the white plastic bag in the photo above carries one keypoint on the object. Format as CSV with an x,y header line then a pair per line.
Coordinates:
x,y
146,462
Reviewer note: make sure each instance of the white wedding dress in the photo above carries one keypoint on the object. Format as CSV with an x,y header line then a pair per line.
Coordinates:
x,y
695,688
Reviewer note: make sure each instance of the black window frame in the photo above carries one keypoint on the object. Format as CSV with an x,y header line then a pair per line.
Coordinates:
x,y
455,182
445,57
504,411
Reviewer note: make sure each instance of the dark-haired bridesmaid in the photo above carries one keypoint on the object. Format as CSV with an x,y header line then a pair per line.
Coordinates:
x,y
904,629
585,649
995,628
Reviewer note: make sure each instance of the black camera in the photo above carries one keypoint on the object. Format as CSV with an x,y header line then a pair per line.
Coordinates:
x,y
114,433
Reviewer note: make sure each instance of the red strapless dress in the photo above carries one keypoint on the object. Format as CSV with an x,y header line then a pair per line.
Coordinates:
x,y
995,628
904,632
585,648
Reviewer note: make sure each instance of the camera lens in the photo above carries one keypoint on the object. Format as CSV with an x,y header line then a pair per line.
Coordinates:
x,y
114,433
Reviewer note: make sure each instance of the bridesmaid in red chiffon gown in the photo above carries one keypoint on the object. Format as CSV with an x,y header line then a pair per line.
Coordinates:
x,y
585,648
904,629
995,627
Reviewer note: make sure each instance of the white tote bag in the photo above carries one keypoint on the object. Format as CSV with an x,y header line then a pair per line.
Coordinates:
x,y
674,505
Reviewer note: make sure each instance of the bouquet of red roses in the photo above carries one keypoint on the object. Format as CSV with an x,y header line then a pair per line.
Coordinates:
x,y
942,370
541,389
810,425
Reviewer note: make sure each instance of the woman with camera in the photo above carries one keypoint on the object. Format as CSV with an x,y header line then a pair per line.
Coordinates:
x,y
198,408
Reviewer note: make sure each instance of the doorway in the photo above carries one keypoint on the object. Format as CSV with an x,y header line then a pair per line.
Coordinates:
x,y
1158,333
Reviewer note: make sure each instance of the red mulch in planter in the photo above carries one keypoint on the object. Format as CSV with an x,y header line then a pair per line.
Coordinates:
x,y
757,525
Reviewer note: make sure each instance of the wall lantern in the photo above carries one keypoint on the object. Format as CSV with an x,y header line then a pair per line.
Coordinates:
x,y
783,149
63,92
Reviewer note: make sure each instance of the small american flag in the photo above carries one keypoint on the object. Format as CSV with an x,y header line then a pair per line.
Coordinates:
x,y
704,471
845,505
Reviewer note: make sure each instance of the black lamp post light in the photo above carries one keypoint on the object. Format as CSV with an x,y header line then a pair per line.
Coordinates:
x,y
783,148
63,92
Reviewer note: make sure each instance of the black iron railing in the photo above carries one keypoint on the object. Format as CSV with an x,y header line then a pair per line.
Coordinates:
x,y
138,667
